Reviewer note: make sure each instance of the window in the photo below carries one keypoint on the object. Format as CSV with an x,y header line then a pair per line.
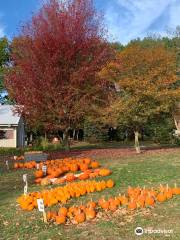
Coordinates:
x,y
2,134
6,134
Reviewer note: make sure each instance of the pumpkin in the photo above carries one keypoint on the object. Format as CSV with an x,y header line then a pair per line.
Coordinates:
x,y
60,180
45,181
51,215
80,217
90,213
93,175
70,177
149,201
117,201
38,174
83,167
60,219
132,205
123,199
168,194
141,201
104,172
112,206
16,165
105,205
63,211
94,164
110,183
91,204
176,190
74,167
161,197
83,176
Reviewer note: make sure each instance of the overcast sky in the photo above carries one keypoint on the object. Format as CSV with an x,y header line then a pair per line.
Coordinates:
x,y
125,19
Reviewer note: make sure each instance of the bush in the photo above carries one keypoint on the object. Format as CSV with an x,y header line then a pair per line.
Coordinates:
x,y
95,132
161,130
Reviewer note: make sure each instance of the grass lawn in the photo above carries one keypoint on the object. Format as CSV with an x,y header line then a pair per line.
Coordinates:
x,y
143,170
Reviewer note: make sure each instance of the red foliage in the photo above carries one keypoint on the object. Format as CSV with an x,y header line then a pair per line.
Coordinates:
x,y
56,59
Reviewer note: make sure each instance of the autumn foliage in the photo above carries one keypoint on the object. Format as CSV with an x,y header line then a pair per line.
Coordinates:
x,y
56,59
145,81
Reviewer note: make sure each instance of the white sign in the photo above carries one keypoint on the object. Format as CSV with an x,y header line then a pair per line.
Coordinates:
x,y
25,178
25,189
40,205
7,164
37,166
44,169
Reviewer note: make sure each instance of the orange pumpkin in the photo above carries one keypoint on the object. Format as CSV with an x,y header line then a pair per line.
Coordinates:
x,y
60,219
74,167
16,165
83,176
90,213
91,204
110,183
38,174
132,205
63,211
161,197
83,167
80,217
104,172
94,164
149,201
70,177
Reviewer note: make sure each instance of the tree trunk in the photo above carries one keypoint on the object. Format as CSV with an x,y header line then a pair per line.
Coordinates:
x,y
77,137
74,134
66,142
137,146
31,137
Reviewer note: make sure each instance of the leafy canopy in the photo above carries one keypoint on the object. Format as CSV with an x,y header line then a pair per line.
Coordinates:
x,y
145,77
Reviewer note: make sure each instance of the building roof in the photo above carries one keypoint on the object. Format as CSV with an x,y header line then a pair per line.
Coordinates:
x,y
7,116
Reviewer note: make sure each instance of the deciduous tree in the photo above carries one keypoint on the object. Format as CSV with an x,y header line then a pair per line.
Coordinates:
x,y
145,77
56,59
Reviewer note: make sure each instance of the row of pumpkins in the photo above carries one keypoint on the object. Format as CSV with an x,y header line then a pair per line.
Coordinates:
x,y
65,164
68,166
136,198
62,194
70,177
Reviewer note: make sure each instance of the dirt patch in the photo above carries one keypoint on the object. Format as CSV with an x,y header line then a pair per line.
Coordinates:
x,y
111,153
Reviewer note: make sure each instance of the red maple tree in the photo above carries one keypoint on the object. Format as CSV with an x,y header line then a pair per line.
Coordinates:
x,y
56,58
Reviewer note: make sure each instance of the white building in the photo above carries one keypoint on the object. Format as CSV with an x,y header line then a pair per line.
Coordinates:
x,y
12,133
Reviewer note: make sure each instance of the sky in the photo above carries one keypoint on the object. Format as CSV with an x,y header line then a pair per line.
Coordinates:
x,y
125,19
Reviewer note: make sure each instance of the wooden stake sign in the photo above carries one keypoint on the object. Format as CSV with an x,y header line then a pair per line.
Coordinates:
x,y
40,203
37,166
7,164
44,169
26,184
25,189
25,178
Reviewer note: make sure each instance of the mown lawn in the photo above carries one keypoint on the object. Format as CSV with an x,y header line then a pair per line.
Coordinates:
x,y
143,170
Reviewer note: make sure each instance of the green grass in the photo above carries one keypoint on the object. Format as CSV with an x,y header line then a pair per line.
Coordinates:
x,y
142,170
